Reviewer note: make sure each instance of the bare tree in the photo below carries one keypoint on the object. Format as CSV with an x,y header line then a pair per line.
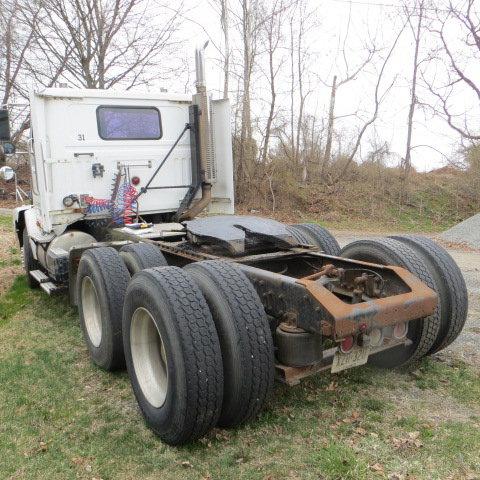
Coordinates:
x,y
224,20
313,129
457,28
419,10
272,31
302,20
110,42
249,25
377,101
14,45
222,9
331,119
17,40
302,56
251,20
292,88
350,73
84,42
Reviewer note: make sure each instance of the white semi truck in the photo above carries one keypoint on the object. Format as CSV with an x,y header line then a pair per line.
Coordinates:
x,y
205,311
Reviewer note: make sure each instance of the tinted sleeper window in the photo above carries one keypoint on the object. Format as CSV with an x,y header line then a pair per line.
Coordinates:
x,y
129,123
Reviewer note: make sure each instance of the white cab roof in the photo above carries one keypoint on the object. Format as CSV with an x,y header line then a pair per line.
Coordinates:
x,y
96,93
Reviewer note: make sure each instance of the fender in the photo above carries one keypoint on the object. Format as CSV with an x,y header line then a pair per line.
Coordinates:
x,y
19,221
26,217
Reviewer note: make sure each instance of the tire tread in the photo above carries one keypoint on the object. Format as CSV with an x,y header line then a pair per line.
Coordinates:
x,y
457,298
145,255
256,343
320,236
201,348
114,277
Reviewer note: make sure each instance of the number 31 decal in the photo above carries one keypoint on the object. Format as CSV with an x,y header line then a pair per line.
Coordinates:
x,y
81,137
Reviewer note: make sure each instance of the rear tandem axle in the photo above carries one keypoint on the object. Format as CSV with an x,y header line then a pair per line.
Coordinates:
x,y
324,297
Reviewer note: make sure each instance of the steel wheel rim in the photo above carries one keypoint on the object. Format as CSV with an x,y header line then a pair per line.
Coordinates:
x,y
149,357
92,314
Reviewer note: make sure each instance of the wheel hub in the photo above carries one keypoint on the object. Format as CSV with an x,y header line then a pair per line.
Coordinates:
x,y
91,311
149,357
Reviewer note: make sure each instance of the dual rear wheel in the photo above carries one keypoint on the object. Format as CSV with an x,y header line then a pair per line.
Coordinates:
x,y
450,286
198,348
102,279
172,354
425,259
436,268
196,342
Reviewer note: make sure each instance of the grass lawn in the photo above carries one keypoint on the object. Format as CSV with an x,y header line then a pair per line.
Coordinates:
x,y
62,418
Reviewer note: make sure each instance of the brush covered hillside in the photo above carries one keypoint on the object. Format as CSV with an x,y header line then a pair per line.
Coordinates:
x,y
368,196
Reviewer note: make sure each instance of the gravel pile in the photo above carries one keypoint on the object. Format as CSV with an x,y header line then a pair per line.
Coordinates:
x,y
467,232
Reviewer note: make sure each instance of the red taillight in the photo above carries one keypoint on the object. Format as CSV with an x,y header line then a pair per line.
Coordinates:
x,y
135,180
347,344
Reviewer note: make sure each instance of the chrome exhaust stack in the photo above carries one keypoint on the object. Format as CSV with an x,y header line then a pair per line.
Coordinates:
x,y
207,161
200,68
202,99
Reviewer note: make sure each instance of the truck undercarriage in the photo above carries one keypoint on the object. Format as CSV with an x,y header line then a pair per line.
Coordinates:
x,y
303,291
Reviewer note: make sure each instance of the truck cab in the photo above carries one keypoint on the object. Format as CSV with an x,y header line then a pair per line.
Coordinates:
x,y
82,140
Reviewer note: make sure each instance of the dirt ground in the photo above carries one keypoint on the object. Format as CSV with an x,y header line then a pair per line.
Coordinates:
x,y
10,265
466,346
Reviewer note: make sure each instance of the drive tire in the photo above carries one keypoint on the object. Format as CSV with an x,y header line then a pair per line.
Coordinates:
x,y
423,331
452,291
320,237
29,263
245,338
298,235
139,256
191,359
102,281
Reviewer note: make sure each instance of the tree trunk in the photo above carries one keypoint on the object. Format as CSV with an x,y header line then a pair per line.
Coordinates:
x,y
331,117
292,95
273,97
413,97
226,39
246,121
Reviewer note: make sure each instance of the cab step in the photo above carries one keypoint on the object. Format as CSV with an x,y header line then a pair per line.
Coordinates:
x,y
51,288
46,283
39,276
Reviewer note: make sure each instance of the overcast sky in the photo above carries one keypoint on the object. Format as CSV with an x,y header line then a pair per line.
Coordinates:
x,y
370,18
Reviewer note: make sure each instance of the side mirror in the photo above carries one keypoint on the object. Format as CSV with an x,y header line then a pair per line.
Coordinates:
x,y
8,148
7,173
4,126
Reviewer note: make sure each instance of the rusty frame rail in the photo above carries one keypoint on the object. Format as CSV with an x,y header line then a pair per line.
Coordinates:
x,y
347,319
309,305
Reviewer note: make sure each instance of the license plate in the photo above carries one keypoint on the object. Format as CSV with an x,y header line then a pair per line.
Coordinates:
x,y
357,356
